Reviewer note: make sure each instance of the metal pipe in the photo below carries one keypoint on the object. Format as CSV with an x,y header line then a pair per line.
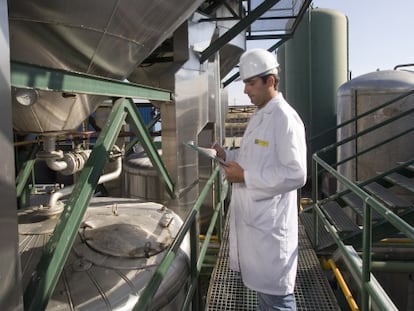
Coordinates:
x,y
205,245
354,264
391,217
392,266
56,165
103,179
344,287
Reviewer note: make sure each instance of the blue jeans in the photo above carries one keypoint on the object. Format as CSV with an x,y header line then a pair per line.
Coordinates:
x,y
280,303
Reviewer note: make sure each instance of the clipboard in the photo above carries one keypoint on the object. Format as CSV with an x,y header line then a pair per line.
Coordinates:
x,y
208,152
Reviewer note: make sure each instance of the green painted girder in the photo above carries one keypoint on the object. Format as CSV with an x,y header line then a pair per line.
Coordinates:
x,y
136,139
271,49
138,126
47,79
57,249
26,170
236,29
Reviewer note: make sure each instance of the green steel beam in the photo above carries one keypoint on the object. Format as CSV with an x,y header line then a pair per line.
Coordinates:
x,y
141,131
236,29
56,252
134,140
148,293
47,79
271,49
57,249
25,171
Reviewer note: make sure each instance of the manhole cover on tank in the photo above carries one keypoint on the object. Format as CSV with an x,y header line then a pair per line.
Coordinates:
x,y
127,236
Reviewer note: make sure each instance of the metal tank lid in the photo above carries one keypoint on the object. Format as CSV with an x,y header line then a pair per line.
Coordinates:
x,y
125,233
384,80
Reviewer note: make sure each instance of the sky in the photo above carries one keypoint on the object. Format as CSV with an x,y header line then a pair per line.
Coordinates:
x,y
380,37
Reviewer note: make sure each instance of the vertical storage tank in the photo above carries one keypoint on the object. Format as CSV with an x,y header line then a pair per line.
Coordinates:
x,y
362,94
281,57
315,64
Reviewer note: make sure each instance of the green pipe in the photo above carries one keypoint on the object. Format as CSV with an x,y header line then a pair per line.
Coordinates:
x,y
392,266
152,287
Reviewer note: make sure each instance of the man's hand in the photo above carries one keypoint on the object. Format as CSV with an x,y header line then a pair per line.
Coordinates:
x,y
220,151
234,172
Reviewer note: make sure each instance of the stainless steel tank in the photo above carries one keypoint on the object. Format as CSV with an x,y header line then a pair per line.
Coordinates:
x,y
119,246
104,38
364,93
141,179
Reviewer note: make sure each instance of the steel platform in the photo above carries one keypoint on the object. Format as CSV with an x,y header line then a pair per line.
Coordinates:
x,y
227,292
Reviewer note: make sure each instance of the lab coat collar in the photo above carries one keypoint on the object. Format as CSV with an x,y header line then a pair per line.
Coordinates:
x,y
268,108
259,114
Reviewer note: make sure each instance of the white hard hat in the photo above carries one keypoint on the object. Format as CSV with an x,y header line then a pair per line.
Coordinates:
x,y
257,62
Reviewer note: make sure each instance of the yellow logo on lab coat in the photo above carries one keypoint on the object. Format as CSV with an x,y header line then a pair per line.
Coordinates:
x,y
260,142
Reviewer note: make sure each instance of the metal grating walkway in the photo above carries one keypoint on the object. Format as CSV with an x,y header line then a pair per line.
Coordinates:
x,y
227,292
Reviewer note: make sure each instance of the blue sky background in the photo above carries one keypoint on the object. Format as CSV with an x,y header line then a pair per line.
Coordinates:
x,y
381,36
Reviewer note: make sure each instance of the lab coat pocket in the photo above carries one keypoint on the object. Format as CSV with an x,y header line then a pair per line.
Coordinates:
x,y
261,213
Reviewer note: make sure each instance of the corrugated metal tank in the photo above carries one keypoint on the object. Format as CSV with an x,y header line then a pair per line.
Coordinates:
x,y
315,64
120,244
364,93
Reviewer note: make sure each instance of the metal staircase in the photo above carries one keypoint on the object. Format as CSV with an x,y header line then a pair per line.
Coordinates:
x,y
366,225
346,213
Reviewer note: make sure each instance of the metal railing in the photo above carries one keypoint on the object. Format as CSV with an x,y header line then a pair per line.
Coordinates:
x,y
372,292
189,227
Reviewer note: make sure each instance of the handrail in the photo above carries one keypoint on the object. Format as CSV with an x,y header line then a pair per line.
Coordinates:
x,y
360,268
364,274
359,116
367,130
152,287
369,200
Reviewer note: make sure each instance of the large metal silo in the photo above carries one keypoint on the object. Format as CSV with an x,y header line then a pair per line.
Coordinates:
x,y
315,64
365,93
329,69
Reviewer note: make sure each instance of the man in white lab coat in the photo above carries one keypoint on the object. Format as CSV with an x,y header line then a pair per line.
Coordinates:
x,y
265,174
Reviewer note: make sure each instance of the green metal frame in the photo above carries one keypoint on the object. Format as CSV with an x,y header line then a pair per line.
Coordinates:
x,y
47,79
56,251
371,289
246,21
26,170
196,262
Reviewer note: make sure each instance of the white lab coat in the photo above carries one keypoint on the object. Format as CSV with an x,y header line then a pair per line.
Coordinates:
x,y
263,210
